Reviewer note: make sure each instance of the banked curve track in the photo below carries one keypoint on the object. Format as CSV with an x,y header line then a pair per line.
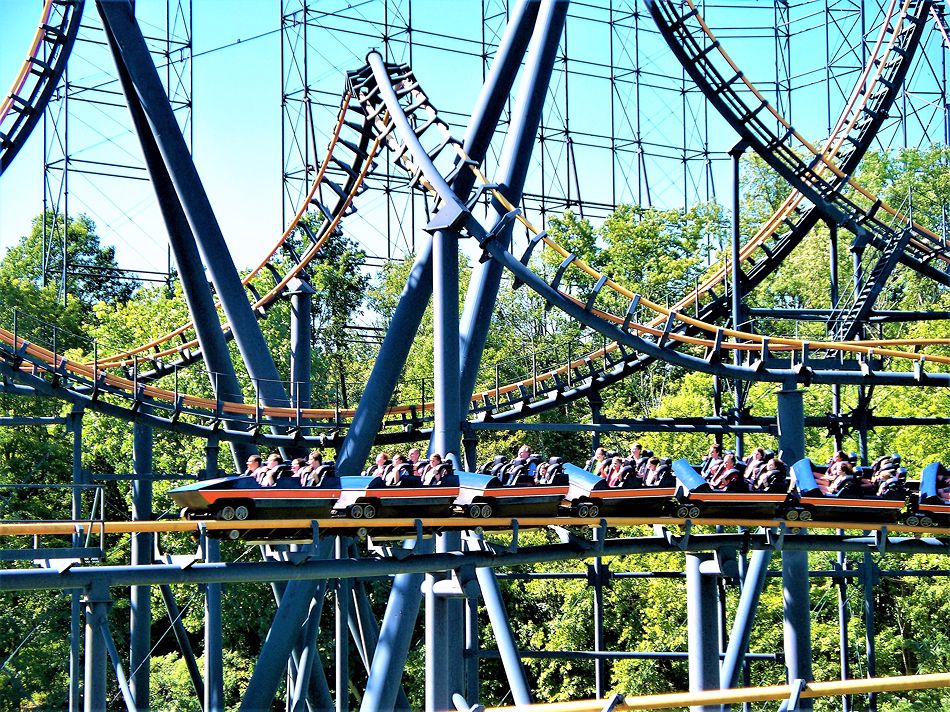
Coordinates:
x,y
819,178
651,339
39,75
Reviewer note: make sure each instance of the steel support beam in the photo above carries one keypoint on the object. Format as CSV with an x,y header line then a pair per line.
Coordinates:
x,y
504,637
755,579
74,426
113,655
448,415
513,166
796,596
599,572
444,631
272,663
184,643
342,619
472,651
702,627
737,322
868,576
132,54
96,601
140,625
364,630
214,639
181,238
301,325
210,572
395,636
285,630
843,619
415,295
306,693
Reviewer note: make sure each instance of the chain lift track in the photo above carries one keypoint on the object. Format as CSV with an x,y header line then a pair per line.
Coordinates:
x,y
356,142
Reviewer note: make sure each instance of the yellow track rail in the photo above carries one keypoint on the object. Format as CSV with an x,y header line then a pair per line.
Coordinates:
x,y
408,524
832,688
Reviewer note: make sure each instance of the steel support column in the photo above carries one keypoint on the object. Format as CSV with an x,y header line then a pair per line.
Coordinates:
x,y
513,167
374,401
597,573
74,426
184,643
843,618
447,416
140,625
504,637
342,609
444,632
97,602
796,596
596,402
307,663
833,264
395,636
285,629
755,579
736,154
214,643
702,628
472,682
868,576
415,296
211,340
283,635
132,55
364,629
301,324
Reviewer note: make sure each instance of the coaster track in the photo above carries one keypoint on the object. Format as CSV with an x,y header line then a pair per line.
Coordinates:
x,y
39,75
819,179
658,337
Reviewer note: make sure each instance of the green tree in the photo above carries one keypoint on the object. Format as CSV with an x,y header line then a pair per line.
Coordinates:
x,y
91,271
337,276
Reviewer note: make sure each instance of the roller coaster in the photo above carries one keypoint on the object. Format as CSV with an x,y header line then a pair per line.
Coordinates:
x,y
385,114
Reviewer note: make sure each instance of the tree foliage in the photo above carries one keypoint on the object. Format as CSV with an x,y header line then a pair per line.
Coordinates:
x,y
659,254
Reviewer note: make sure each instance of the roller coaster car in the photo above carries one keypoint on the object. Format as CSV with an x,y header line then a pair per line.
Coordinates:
x,y
240,497
514,493
590,495
695,497
849,502
928,509
366,497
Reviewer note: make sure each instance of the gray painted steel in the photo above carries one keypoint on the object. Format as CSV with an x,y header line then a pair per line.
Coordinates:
x,y
796,596
415,295
702,598
513,167
140,625
128,41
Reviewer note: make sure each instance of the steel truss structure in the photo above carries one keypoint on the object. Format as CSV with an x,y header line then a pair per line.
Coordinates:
x,y
387,136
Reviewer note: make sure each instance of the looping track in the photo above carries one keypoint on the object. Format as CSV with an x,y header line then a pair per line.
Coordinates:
x,y
367,123
39,75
